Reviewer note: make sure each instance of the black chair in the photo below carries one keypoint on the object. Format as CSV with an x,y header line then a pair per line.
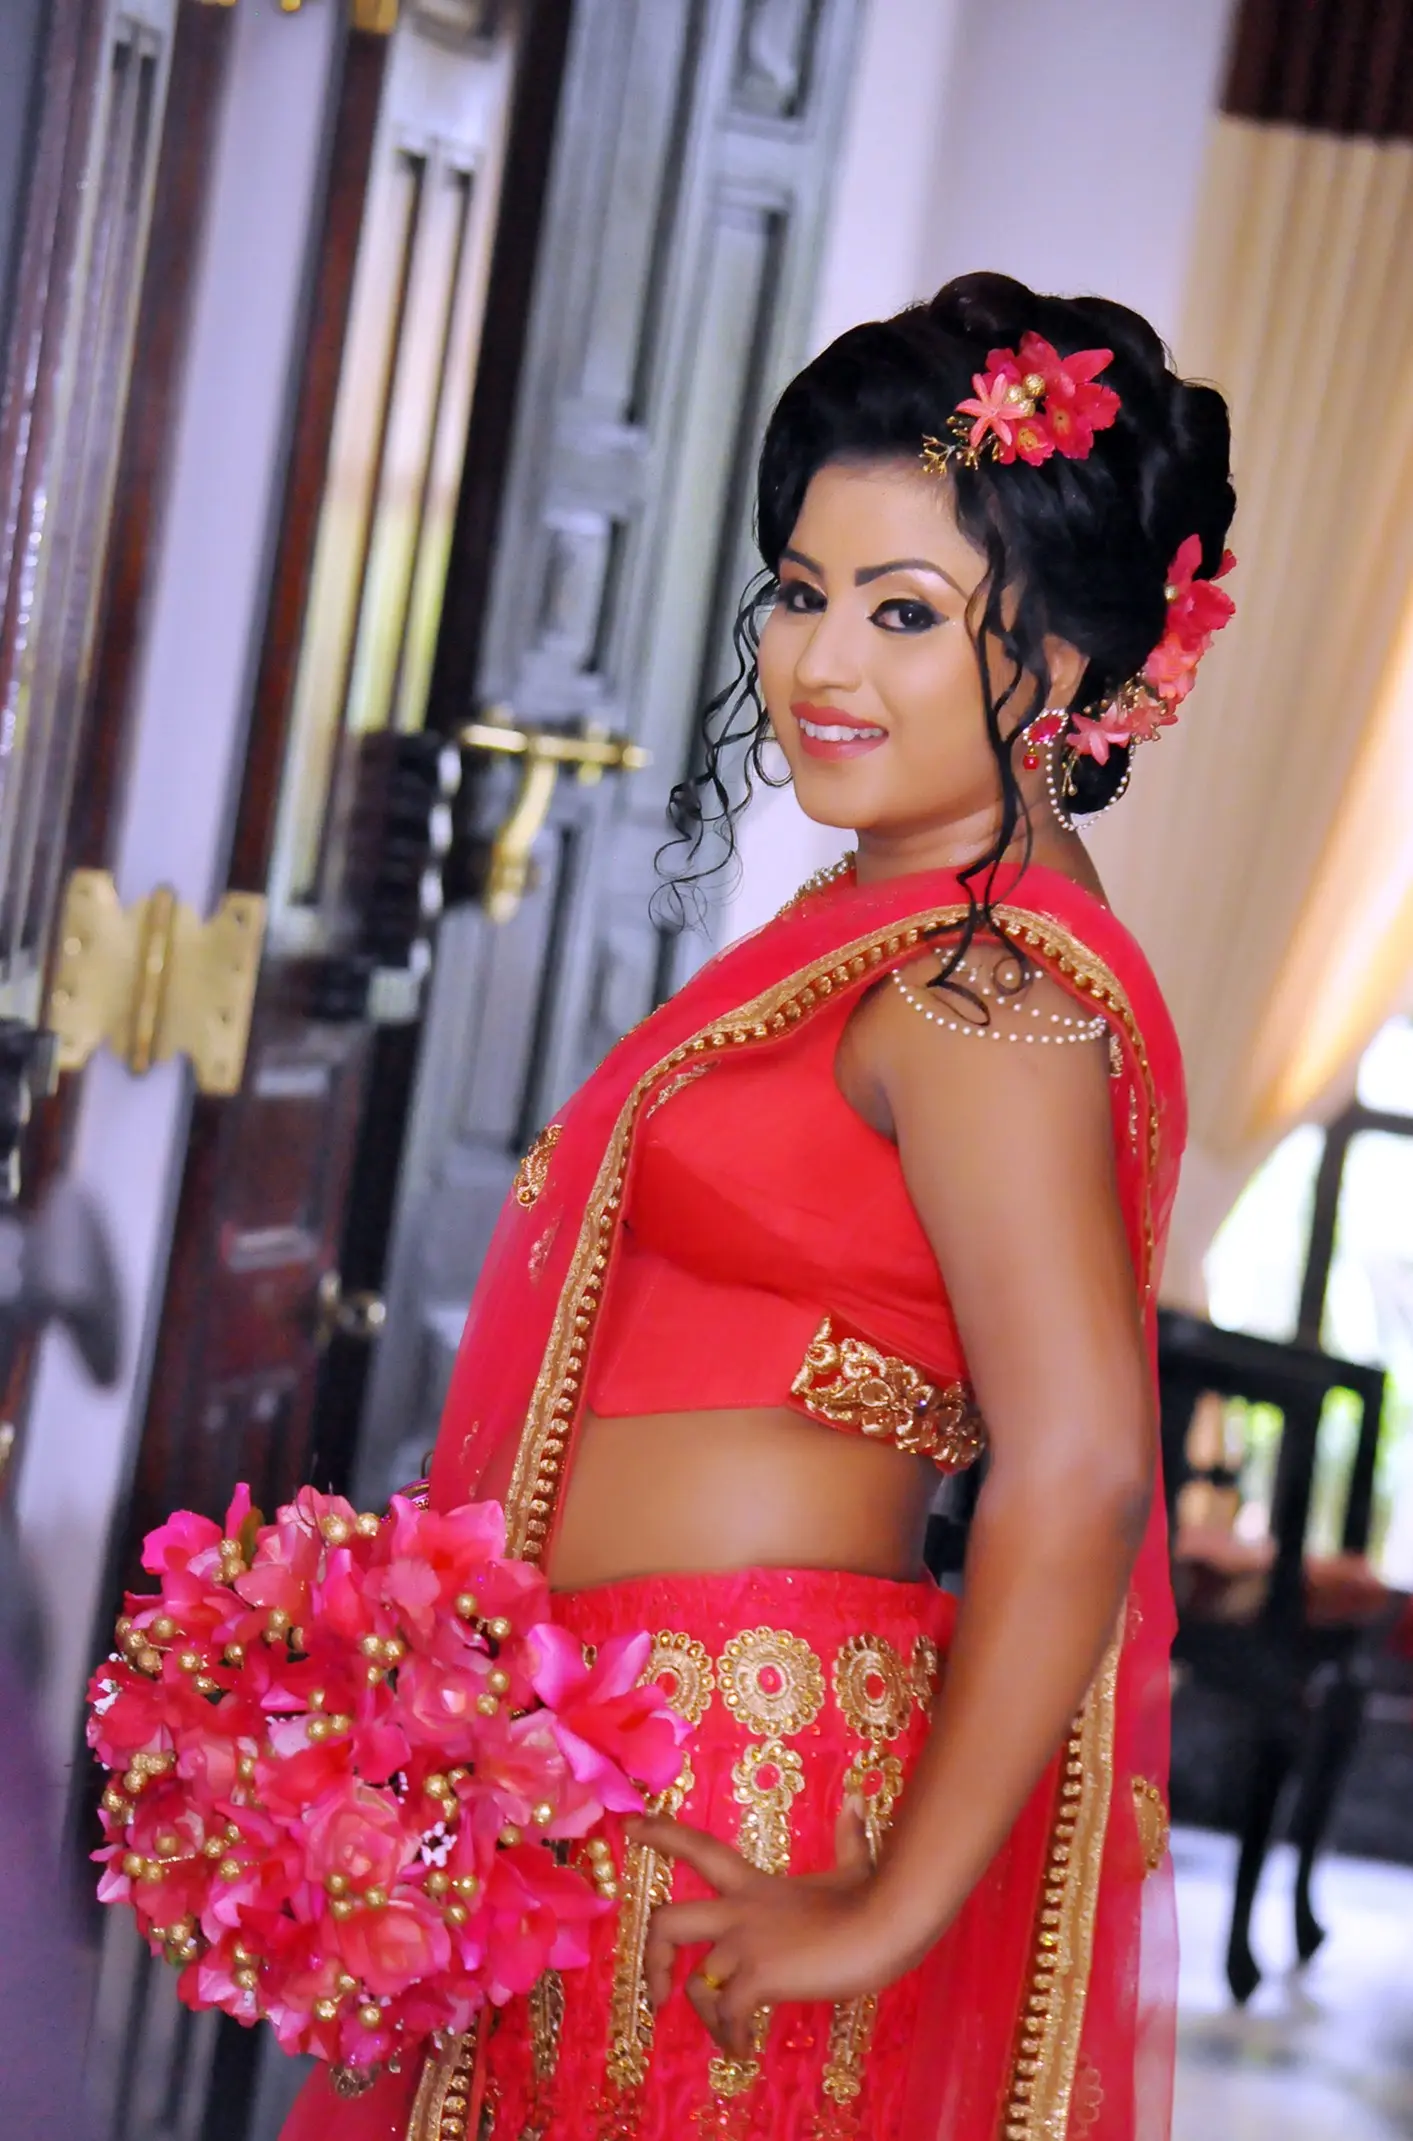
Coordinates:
x,y
1289,1637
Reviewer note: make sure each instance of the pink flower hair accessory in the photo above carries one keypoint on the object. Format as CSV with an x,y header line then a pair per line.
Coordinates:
x,y
1147,703
1028,404
346,1757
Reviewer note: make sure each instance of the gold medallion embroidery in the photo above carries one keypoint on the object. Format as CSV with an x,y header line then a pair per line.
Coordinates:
x,y
851,1384
1151,1814
872,1687
533,1171
924,1665
771,1681
766,1781
681,1668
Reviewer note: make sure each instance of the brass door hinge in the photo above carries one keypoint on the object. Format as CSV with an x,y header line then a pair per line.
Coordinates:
x,y
154,981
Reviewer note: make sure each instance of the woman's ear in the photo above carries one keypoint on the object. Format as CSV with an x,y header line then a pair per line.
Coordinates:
x,y
1067,665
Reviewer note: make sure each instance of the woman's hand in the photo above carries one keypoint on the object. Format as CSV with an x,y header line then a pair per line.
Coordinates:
x,y
769,1937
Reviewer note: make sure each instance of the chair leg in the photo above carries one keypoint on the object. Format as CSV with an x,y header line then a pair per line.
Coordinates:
x,y
1329,1749
1270,1766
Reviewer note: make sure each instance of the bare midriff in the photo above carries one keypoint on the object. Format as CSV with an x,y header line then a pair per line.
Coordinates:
x,y
675,1492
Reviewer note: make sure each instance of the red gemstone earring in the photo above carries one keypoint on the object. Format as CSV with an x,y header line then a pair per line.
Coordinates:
x,y
1045,727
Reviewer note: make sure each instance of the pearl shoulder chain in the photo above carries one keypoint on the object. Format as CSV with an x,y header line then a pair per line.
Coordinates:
x,y
1046,1026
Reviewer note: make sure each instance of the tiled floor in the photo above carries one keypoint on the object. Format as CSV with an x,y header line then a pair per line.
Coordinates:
x,y
1323,2054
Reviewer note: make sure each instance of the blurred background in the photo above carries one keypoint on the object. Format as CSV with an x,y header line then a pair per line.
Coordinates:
x,y
379,387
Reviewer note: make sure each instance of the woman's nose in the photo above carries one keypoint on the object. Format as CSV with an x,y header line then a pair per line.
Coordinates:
x,y
829,658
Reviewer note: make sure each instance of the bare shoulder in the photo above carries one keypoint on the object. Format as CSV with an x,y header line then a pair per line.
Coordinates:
x,y
997,1033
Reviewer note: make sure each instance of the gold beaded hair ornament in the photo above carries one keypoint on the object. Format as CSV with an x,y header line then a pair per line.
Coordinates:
x,y
1031,403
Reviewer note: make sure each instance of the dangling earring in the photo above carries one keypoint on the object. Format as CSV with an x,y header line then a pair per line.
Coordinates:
x,y
1059,764
1043,728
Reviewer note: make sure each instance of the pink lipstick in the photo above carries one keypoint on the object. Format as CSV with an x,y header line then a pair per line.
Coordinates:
x,y
827,733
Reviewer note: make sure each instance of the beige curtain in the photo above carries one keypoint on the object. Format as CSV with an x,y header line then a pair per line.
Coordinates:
x,y
1264,857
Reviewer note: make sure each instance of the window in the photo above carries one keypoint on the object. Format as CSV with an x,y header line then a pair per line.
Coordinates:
x,y
1319,1247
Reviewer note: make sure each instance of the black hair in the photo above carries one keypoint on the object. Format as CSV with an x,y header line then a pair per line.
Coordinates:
x,y
1086,544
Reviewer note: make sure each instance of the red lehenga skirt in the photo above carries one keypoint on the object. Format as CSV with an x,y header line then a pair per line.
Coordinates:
x,y
803,1689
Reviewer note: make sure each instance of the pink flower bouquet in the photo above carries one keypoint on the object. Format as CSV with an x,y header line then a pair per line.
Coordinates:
x,y
347,1757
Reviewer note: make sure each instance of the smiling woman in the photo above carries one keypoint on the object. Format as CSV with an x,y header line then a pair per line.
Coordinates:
x,y
795,1248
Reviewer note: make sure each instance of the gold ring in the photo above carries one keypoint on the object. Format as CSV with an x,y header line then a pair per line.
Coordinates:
x,y
713,1984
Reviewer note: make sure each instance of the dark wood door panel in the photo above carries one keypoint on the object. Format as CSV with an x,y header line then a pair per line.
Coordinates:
x,y
672,299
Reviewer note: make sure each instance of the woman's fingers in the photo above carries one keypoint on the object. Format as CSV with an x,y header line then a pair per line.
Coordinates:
x,y
722,1868
674,1926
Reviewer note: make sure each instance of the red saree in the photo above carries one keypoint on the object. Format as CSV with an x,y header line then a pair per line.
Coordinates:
x,y
1046,2010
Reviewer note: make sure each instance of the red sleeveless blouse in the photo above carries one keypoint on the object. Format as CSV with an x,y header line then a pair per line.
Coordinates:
x,y
771,1255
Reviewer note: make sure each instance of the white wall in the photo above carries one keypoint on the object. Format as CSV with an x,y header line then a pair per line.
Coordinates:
x,y
1059,142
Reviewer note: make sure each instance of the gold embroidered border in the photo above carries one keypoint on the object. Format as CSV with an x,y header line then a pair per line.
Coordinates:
x,y
1052,2017
440,2108
647,1882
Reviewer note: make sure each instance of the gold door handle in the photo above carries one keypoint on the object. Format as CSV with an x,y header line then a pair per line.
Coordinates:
x,y
544,752
340,1315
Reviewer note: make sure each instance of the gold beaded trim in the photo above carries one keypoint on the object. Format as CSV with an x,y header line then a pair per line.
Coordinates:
x,y
647,1883
851,1384
441,2106
533,1171
1150,1811
1052,2013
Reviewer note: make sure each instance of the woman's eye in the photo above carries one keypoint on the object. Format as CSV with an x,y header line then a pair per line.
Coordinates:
x,y
905,615
798,596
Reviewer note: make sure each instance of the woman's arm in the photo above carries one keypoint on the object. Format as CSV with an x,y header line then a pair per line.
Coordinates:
x,y
1007,1149
1007,1152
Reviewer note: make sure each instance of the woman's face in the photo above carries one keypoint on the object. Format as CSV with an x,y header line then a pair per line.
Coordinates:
x,y
867,666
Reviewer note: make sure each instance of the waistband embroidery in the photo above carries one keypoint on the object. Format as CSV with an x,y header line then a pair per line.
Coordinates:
x,y
851,1384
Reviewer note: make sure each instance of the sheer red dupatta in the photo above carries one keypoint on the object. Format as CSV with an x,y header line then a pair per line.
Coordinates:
x,y
1053,1993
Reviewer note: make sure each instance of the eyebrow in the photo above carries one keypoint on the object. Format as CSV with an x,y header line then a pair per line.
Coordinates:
x,y
866,573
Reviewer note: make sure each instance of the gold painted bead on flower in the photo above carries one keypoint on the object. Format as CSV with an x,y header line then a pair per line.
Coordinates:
x,y
133,1863
346,1983
326,2010
235,1653
498,1681
467,1884
376,1898
368,1525
467,1604
370,2016
337,1884
499,1629
341,1907
164,1628
336,1529
149,1660
247,1979
542,1815
318,1728
487,1705
511,1834
437,1884
230,1869
213,1847
457,1913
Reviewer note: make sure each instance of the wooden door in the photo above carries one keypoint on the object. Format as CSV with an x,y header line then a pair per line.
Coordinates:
x,y
123,99
671,301
344,803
